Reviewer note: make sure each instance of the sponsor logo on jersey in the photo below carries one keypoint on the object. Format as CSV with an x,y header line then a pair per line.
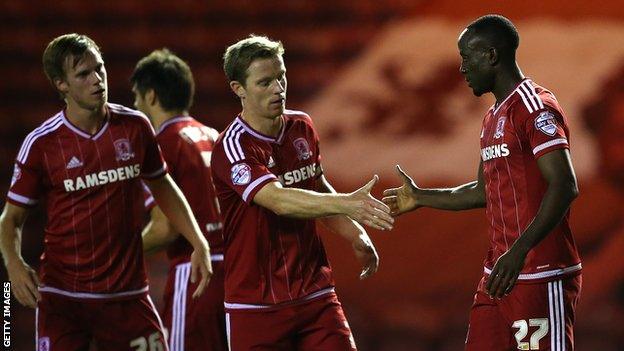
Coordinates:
x,y
17,174
500,128
494,151
241,174
43,344
123,149
271,162
547,123
74,163
298,175
303,149
101,178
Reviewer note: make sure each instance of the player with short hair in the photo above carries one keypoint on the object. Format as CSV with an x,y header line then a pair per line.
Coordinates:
x,y
527,297
163,87
279,287
88,161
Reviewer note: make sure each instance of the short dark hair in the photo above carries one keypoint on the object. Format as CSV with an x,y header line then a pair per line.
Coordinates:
x,y
240,55
498,31
60,48
170,78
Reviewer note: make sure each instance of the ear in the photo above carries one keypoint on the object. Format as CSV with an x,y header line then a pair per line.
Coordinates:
x,y
150,97
238,89
493,56
61,85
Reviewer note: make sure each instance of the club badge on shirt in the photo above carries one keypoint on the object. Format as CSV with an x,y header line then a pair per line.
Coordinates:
x,y
241,174
547,123
123,149
500,127
303,149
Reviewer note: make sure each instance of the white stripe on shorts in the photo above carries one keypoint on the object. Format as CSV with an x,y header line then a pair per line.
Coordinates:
x,y
176,337
556,309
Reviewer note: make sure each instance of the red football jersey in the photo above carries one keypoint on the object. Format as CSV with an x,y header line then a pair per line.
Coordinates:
x,y
528,124
94,201
269,259
187,147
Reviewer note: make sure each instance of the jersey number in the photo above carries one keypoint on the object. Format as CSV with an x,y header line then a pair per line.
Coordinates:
x,y
153,341
523,330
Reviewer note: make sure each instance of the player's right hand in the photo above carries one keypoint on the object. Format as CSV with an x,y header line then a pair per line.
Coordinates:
x,y
403,198
365,209
24,283
200,261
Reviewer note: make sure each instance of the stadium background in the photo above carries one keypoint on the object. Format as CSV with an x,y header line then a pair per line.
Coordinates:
x,y
380,80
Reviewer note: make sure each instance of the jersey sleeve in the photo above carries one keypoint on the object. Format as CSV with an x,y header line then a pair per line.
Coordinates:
x,y
148,199
242,169
545,130
154,166
27,181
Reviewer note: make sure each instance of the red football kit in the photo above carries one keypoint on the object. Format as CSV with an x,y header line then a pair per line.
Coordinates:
x,y
528,124
93,249
193,324
274,265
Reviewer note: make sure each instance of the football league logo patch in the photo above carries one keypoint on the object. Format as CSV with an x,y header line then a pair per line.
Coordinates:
x,y
500,127
241,174
303,149
43,344
547,123
123,150
17,174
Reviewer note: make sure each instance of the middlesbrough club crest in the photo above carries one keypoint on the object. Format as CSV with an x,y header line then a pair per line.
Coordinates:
x,y
303,149
123,150
500,127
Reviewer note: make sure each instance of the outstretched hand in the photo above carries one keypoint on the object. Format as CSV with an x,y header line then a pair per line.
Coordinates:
x,y
367,210
403,198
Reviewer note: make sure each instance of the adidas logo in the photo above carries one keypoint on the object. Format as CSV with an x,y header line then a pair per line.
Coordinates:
x,y
73,163
271,162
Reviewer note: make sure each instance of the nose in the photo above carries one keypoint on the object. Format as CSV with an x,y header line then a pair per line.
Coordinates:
x,y
281,86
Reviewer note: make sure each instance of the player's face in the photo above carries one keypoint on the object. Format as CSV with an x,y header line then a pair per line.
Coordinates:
x,y
85,82
474,64
265,88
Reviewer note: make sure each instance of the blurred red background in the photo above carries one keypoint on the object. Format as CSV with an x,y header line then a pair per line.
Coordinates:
x,y
381,81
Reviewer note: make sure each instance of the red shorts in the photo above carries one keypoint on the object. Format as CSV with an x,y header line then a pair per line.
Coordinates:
x,y
536,316
66,324
319,324
195,324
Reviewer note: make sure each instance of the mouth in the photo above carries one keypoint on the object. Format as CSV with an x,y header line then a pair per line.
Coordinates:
x,y
279,101
100,91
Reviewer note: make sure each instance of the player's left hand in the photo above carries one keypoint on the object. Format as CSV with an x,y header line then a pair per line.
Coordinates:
x,y
200,261
366,255
505,272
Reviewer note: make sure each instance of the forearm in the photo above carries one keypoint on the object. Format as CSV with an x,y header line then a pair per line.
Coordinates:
x,y
554,206
155,238
306,204
173,204
339,224
10,242
462,197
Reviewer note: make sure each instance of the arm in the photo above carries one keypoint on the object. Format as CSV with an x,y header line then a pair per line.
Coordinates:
x,y
409,196
174,206
352,232
23,278
556,168
300,203
158,233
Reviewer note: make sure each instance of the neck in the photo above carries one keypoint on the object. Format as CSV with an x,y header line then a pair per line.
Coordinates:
x,y
506,82
266,126
89,121
160,116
